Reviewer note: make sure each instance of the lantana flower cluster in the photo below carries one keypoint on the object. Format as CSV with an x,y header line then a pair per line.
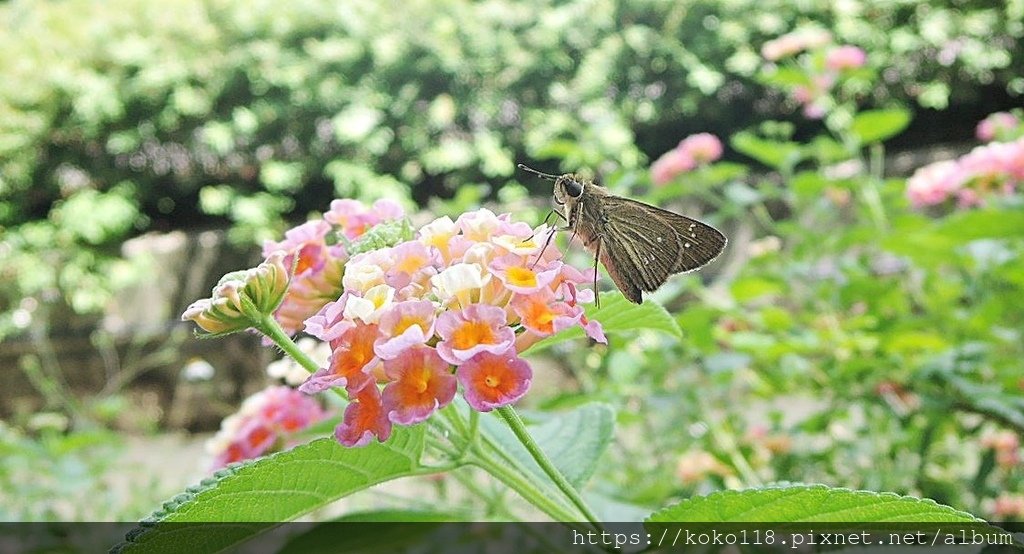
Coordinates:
x,y
266,422
692,152
994,168
824,63
453,306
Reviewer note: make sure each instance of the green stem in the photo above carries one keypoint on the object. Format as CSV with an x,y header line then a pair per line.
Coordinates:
x,y
272,329
519,429
516,481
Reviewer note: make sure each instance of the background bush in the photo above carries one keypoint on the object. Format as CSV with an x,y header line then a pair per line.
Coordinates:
x,y
856,342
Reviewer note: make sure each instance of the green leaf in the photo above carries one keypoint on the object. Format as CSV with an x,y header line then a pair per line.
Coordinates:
x,y
878,125
932,241
386,530
277,488
772,153
617,316
573,440
805,503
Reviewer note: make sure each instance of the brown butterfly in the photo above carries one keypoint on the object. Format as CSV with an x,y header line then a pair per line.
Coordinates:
x,y
640,245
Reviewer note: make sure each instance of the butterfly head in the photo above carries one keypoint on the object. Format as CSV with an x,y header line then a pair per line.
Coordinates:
x,y
568,186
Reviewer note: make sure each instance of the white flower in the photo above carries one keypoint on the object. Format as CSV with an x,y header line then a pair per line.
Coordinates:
x,y
523,246
369,307
479,225
361,277
437,232
458,281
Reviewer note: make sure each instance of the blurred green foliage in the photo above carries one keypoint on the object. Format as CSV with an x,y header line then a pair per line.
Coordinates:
x,y
124,116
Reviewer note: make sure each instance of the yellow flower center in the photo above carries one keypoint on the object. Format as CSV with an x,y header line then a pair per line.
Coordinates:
x,y
407,321
492,381
471,334
411,264
419,383
521,277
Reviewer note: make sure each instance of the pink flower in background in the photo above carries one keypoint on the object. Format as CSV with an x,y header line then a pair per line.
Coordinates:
x,y
994,168
692,152
267,420
996,125
670,165
934,183
409,314
703,148
846,57
806,38
1008,507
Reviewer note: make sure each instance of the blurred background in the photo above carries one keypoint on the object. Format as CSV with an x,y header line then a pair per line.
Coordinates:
x,y
863,330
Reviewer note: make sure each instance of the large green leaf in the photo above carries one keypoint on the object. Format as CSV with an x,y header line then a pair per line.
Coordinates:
x,y
573,440
383,531
808,503
277,488
878,125
618,316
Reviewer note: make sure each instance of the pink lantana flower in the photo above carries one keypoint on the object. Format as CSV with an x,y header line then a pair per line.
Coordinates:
x,y
266,421
845,57
692,152
934,183
494,380
703,148
421,382
318,263
406,324
354,217
365,418
994,168
475,329
351,362
518,276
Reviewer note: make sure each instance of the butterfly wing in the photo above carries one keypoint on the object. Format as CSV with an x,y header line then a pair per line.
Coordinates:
x,y
642,245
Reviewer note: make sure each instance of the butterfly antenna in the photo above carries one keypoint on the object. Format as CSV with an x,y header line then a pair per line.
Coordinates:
x,y
543,175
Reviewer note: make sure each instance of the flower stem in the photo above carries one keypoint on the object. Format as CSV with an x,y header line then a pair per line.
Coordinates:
x,y
516,481
272,329
519,429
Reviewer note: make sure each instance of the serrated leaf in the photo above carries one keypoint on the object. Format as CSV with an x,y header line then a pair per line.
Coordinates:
x,y
617,316
808,503
878,125
573,440
277,488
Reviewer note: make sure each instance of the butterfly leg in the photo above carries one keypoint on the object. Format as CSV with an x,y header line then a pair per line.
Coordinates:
x,y
551,235
546,219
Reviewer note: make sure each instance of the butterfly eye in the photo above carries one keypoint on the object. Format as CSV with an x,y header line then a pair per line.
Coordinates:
x,y
572,187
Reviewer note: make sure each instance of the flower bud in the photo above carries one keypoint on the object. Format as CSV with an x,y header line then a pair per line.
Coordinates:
x,y
241,298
